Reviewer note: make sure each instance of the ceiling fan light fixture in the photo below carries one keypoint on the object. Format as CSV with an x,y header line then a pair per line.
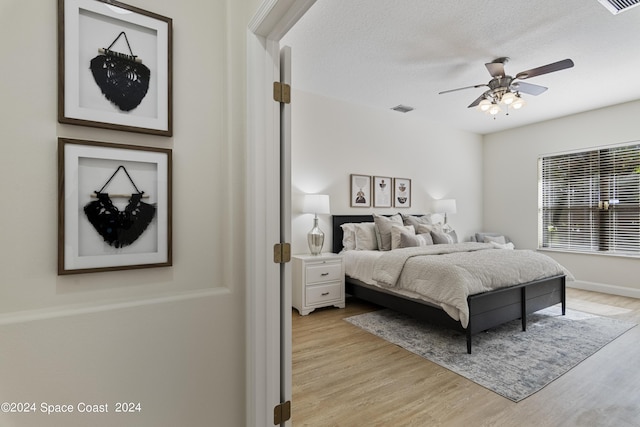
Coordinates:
x,y
518,103
494,109
484,105
508,98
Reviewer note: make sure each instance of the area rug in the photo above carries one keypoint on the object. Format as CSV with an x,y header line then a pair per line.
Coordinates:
x,y
505,360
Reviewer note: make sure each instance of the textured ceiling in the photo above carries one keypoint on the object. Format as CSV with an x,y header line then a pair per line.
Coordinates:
x,y
383,53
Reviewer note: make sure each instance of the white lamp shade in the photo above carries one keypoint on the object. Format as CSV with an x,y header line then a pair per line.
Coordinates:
x,y
316,204
445,206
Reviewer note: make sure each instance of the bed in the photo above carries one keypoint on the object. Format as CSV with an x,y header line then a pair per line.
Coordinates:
x,y
485,309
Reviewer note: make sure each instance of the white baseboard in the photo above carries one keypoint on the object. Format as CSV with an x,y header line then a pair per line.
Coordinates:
x,y
604,288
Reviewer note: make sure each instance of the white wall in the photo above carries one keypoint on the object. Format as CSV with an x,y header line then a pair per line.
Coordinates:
x,y
333,139
510,186
170,338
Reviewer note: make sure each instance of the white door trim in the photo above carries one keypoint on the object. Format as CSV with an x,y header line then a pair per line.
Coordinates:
x,y
272,20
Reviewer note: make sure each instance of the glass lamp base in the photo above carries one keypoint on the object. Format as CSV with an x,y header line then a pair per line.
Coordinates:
x,y
315,238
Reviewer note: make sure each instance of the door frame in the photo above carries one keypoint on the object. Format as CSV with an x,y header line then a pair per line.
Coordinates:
x,y
263,308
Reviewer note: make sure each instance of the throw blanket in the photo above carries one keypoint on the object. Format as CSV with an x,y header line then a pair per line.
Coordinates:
x,y
447,274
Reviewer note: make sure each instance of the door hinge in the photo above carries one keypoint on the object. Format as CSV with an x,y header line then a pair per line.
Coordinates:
x,y
281,253
282,413
282,92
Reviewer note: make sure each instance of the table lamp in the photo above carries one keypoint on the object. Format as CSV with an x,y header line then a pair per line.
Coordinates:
x,y
316,204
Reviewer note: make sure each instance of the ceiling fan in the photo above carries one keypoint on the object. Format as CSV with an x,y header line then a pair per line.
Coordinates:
x,y
506,89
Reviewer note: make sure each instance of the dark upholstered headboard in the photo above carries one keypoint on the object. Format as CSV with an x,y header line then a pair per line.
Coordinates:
x,y
337,221
336,230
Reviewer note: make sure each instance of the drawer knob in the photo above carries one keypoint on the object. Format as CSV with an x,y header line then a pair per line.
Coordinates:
x,y
324,274
324,294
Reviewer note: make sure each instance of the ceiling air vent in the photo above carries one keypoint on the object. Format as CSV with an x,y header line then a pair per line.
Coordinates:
x,y
405,108
617,6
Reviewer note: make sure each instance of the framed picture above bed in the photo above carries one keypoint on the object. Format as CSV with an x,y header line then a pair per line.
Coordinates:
x,y
401,193
382,191
360,191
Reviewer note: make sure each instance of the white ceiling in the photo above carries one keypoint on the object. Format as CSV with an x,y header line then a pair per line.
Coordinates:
x,y
383,53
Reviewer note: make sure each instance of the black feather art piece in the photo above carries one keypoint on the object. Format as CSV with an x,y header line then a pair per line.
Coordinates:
x,y
119,228
123,79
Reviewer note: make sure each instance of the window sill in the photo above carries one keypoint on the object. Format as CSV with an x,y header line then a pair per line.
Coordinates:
x,y
576,252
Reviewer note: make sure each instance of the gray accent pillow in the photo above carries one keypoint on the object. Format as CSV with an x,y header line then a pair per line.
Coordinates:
x,y
383,229
480,237
442,237
412,240
397,231
416,221
497,239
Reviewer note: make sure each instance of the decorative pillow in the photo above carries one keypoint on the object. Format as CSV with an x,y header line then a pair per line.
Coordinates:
x,y
397,231
409,241
348,236
480,236
366,237
383,227
416,220
495,239
441,237
509,245
424,228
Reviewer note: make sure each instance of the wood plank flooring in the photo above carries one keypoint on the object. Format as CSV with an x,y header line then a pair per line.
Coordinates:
x,y
343,376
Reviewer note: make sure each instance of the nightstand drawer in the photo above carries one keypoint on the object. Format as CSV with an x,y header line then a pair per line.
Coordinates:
x,y
323,293
324,272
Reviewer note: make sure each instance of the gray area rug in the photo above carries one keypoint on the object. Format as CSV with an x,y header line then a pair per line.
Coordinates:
x,y
510,362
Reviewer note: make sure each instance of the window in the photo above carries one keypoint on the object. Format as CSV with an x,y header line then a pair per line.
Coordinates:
x,y
590,201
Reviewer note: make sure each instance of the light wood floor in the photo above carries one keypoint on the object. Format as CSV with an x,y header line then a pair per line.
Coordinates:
x,y
343,376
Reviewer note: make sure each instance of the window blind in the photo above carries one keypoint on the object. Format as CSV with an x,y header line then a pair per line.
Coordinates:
x,y
590,201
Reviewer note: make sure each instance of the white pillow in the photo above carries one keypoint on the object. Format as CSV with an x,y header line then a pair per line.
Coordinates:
x,y
348,236
366,237
397,231
509,245
495,239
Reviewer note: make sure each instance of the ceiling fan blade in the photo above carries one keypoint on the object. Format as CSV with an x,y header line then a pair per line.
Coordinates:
x,y
528,88
496,69
461,88
549,68
477,101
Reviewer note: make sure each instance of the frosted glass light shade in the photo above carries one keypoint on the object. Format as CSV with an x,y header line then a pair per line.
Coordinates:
x,y
518,103
508,98
484,105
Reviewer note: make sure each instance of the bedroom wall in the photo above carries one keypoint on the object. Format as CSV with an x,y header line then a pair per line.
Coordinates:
x,y
332,139
510,187
170,338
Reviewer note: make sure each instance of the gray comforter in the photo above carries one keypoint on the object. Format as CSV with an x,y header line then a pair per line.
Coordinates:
x,y
447,274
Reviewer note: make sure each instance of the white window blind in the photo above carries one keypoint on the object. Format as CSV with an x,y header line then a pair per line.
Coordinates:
x,y
590,201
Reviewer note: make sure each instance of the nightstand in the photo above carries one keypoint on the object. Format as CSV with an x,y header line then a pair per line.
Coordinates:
x,y
318,281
